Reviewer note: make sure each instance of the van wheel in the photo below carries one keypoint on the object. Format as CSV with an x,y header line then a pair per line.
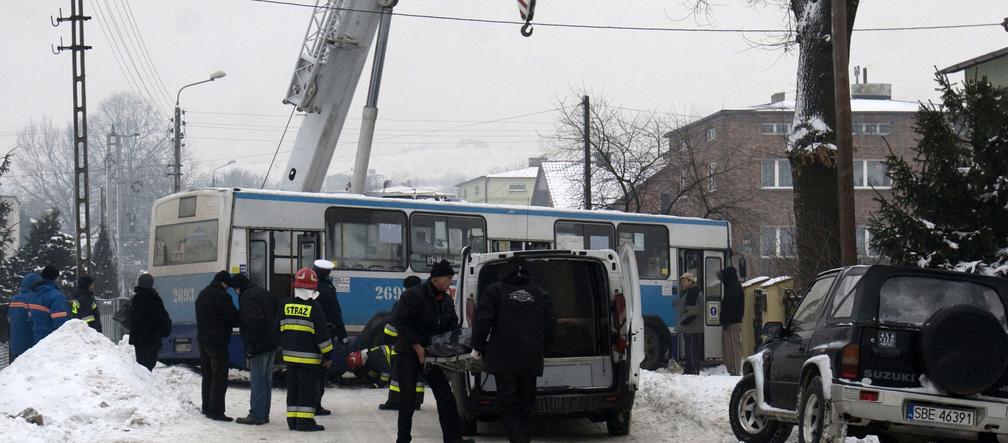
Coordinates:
x,y
619,423
746,422
815,422
470,426
657,343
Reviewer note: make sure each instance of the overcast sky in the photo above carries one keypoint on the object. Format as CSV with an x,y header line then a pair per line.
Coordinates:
x,y
448,73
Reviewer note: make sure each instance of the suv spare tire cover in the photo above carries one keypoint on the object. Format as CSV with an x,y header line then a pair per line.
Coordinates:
x,y
964,349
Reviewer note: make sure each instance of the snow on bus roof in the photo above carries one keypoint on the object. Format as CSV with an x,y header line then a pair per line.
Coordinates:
x,y
313,197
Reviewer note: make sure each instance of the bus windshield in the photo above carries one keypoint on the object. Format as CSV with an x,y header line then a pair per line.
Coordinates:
x,y
185,243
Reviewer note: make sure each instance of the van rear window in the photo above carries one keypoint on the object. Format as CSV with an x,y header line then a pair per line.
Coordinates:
x,y
911,300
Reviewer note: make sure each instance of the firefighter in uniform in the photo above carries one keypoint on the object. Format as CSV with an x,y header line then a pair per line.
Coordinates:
x,y
307,347
392,377
83,305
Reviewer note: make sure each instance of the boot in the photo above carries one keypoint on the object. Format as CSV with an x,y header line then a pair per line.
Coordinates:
x,y
322,411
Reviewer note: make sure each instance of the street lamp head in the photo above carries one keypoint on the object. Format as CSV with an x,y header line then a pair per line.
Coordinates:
x,y
229,163
217,74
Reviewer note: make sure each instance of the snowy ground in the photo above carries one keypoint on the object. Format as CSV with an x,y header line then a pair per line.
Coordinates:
x,y
89,389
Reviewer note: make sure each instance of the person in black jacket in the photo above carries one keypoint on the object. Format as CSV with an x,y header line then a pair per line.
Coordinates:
x,y
329,302
149,321
260,332
83,305
732,307
513,327
392,401
691,323
422,312
215,317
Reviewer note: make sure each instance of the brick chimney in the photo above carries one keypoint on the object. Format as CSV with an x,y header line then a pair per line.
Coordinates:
x,y
777,97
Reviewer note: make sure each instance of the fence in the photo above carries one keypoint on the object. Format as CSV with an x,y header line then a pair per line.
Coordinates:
x,y
107,309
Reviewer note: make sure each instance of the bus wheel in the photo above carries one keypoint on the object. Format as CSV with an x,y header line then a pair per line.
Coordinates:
x,y
657,343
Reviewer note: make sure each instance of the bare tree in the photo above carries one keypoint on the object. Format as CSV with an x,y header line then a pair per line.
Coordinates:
x,y
625,149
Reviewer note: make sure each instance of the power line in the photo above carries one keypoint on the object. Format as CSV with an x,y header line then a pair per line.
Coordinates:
x,y
190,111
143,45
133,76
623,28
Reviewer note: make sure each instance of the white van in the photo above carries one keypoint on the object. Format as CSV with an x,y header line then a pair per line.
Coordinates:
x,y
592,368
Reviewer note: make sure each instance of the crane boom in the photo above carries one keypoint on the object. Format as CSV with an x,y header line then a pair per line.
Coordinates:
x,y
325,77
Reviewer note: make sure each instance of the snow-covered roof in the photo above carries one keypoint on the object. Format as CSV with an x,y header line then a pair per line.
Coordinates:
x,y
530,172
565,178
975,61
857,105
774,281
754,280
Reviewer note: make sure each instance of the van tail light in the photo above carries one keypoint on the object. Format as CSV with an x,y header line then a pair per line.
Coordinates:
x,y
619,304
621,345
849,362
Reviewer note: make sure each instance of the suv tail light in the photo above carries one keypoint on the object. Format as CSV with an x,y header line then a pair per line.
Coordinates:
x,y
849,361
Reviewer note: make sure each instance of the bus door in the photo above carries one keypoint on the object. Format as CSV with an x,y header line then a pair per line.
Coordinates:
x,y
275,255
713,291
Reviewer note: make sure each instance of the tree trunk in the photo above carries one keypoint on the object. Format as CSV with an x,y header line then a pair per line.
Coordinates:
x,y
812,143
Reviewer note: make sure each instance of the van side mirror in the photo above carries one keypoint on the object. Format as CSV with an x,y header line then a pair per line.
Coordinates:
x,y
772,330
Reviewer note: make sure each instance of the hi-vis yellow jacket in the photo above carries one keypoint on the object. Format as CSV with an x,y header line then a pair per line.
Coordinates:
x,y
304,336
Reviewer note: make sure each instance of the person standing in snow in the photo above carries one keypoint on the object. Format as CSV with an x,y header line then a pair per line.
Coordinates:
x,y
50,309
732,306
392,401
330,304
257,312
19,318
514,327
149,320
307,347
83,305
690,323
215,317
423,311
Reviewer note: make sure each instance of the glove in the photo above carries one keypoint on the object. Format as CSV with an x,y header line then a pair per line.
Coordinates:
x,y
475,354
345,340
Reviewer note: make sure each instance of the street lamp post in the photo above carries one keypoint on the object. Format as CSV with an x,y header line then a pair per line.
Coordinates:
x,y
213,174
178,130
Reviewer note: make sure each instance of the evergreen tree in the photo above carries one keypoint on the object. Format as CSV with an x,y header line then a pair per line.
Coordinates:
x,y
104,268
949,209
6,236
45,245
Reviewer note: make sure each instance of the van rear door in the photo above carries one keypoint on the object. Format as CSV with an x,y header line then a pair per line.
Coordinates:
x,y
635,319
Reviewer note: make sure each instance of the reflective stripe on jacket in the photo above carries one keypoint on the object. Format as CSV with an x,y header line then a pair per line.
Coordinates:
x,y
304,336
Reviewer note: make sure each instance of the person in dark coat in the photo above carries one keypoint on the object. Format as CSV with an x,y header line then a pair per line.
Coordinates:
x,y
691,323
392,401
260,332
732,308
215,317
422,312
330,304
513,327
83,305
149,320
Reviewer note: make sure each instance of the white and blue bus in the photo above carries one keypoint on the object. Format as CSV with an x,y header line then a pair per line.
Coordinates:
x,y
376,242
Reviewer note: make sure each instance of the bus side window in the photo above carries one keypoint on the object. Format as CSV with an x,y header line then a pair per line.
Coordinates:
x,y
577,235
651,247
367,239
439,237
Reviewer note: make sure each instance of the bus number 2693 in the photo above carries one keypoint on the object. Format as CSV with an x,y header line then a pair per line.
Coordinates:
x,y
388,292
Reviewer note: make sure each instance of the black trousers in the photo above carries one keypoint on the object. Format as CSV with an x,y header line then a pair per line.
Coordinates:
x,y
517,397
214,368
304,385
692,353
394,388
448,415
146,354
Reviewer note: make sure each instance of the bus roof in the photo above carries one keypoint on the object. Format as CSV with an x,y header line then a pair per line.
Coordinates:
x,y
465,207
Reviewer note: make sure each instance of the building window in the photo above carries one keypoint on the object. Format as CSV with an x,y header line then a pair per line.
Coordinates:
x,y
476,191
516,187
775,128
683,145
776,173
872,128
871,174
711,134
777,241
864,238
712,177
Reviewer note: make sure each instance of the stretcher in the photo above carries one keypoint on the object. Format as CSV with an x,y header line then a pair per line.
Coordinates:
x,y
452,351
456,363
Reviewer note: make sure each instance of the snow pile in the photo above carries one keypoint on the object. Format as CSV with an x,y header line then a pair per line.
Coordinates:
x,y
85,386
684,407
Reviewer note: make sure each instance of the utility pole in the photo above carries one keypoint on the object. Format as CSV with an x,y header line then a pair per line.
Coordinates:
x,y
845,137
587,152
177,165
82,212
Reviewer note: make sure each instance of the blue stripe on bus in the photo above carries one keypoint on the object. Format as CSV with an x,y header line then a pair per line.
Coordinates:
x,y
407,204
658,305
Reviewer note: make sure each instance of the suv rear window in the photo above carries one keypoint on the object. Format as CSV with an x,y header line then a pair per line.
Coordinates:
x,y
911,300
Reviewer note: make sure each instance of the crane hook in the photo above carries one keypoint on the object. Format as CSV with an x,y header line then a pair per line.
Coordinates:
x,y
526,29
527,10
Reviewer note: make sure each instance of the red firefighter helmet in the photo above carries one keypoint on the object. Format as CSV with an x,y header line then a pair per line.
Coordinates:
x,y
305,278
354,360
